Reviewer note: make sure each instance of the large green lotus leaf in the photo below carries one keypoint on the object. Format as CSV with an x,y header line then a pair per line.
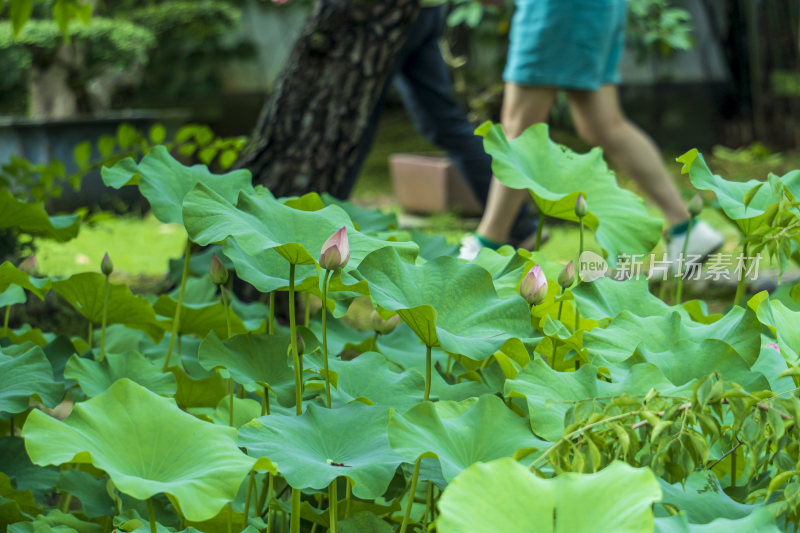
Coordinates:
x,y
555,175
96,376
164,181
25,372
739,328
433,246
364,523
702,499
198,392
147,445
258,222
507,267
200,318
315,448
772,365
13,295
32,218
781,321
367,220
91,491
15,505
254,361
58,352
607,298
446,302
11,275
731,194
16,464
460,433
551,394
504,496
85,292
368,378
56,521
760,521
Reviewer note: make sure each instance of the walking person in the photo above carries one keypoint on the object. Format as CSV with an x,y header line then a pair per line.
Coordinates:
x,y
576,46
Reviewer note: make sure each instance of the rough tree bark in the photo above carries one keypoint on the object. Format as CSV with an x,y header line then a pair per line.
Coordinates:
x,y
307,135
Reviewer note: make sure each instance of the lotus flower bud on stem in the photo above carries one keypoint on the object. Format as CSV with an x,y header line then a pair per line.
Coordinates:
x,y
580,206
218,272
534,286
567,276
384,327
335,251
695,205
106,266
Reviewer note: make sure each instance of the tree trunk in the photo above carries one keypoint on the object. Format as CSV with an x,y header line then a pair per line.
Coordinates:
x,y
308,134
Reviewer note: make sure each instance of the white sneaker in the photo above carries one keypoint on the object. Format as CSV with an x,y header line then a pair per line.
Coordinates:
x,y
703,241
470,247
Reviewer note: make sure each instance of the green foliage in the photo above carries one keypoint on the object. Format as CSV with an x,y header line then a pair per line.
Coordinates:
x,y
637,416
657,30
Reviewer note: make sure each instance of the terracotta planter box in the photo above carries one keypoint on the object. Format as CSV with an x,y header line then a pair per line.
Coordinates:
x,y
431,184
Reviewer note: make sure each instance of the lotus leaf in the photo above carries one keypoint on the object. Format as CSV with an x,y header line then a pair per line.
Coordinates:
x,y
555,175
315,448
85,292
200,318
368,378
461,433
25,372
147,445
11,275
504,496
32,218
164,181
96,376
446,302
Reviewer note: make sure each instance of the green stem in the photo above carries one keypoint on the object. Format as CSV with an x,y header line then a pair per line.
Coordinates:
x,y
348,490
250,488
271,323
307,312
539,232
230,517
679,289
333,507
152,514
412,491
176,320
580,249
560,308
427,374
428,502
5,320
740,285
580,252
270,514
225,309
103,321
298,377
325,337
375,342
733,469
295,518
265,403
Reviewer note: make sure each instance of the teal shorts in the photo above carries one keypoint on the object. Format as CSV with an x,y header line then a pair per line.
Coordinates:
x,y
567,44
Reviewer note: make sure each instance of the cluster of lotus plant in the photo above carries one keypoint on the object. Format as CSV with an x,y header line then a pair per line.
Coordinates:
x,y
377,383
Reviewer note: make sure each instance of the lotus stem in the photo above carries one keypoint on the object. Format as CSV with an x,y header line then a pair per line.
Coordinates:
x,y
225,309
298,376
428,502
265,402
348,490
427,374
539,232
325,338
580,252
333,504
295,518
679,289
307,310
104,320
375,342
5,320
176,320
411,492
560,308
740,285
733,469
271,322
152,514
251,487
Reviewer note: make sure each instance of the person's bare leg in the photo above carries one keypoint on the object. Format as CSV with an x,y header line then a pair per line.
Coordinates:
x,y
522,107
600,121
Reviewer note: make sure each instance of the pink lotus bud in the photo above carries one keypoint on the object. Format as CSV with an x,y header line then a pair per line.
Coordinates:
x,y
219,274
106,266
567,276
28,265
580,206
534,286
384,327
774,347
336,251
